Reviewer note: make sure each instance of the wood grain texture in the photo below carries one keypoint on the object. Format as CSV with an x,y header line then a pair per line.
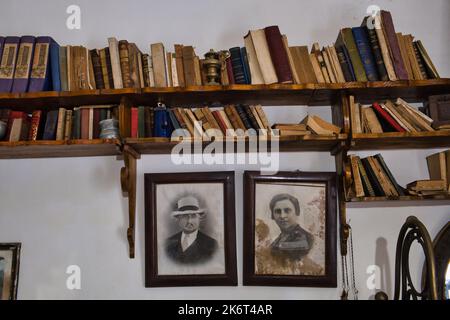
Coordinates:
x,y
322,94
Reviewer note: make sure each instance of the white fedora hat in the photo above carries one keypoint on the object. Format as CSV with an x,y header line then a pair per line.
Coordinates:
x,y
188,205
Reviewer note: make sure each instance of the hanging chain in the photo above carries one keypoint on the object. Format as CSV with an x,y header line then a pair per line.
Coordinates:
x,y
344,295
352,265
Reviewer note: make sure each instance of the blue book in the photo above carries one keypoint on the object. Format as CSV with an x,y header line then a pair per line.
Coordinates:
x,y
8,63
237,66
161,123
248,78
54,66
23,65
365,52
41,71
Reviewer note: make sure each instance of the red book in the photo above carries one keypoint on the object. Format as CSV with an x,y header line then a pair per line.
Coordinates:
x,y
230,71
278,54
386,116
96,129
134,122
84,123
35,125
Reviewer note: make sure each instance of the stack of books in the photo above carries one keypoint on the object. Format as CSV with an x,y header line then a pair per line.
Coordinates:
x,y
371,52
371,177
439,167
388,116
61,124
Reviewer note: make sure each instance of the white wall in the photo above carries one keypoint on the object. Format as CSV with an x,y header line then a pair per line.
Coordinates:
x,y
70,211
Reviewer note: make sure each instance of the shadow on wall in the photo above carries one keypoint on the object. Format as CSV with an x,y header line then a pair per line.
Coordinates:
x,y
384,282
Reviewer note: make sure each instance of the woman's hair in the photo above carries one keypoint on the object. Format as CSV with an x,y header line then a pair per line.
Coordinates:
x,y
284,196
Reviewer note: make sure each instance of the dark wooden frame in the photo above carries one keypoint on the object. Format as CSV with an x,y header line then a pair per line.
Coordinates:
x,y
15,248
436,105
252,279
152,279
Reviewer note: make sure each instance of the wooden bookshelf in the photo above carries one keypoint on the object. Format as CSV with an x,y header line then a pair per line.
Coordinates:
x,y
275,94
400,140
286,144
56,149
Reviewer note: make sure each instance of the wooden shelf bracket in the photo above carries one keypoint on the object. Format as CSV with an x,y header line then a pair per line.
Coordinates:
x,y
128,184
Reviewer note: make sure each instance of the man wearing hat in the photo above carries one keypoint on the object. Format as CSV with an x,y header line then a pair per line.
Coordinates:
x,y
190,245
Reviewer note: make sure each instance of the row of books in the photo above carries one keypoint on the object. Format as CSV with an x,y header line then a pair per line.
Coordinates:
x,y
371,177
370,52
228,121
61,124
388,116
362,53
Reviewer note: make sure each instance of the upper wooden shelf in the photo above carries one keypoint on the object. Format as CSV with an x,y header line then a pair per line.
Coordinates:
x,y
276,94
400,140
286,144
59,148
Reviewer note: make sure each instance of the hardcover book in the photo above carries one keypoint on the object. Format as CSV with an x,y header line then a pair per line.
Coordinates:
x,y
23,65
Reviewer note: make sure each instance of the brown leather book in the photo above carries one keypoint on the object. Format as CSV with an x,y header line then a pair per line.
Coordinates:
x,y
391,37
323,67
234,117
35,125
109,68
408,41
133,58
179,63
278,54
303,64
98,75
159,64
189,66
125,64
404,53
104,69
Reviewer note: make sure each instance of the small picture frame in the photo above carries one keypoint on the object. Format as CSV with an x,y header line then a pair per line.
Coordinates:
x,y
9,270
190,236
290,229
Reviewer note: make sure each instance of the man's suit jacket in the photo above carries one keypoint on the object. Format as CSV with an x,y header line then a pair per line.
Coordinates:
x,y
199,251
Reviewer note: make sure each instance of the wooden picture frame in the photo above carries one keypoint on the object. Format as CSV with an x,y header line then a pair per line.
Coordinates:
x,y
9,270
439,108
170,200
290,229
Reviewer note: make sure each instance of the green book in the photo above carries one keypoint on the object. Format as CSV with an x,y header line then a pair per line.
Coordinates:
x,y
345,38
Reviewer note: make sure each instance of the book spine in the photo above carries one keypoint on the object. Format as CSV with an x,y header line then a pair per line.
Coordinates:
x,y
68,126
63,68
237,66
352,49
147,121
373,179
115,62
368,189
2,44
229,67
50,125
248,76
76,124
251,117
244,117
60,127
179,64
145,70
389,174
420,62
35,125
141,122
54,65
391,36
365,52
387,117
134,122
278,54
8,63
109,68
23,64
378,56
125,64
345,64
98,75
96,123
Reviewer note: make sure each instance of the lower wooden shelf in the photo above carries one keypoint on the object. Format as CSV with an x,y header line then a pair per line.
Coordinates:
x,y
401,198
286,144
400,140
60,148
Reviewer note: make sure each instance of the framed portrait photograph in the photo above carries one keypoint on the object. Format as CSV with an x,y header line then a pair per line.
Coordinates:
x,y
290,229
190,237
9,270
